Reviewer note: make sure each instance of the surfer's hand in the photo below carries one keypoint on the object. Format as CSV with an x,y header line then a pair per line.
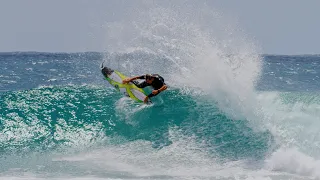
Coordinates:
x,y
155,92
146,99
125,81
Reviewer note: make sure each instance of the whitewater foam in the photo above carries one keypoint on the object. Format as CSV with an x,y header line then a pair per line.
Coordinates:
x,y
200,49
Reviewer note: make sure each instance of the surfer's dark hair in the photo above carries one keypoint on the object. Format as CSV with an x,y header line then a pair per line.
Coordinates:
x,y
149,76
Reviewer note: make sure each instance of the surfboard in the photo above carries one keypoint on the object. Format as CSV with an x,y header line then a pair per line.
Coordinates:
x,y
115,78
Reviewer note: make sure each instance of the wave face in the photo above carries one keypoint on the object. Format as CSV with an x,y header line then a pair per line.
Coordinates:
x,y
229,112
48,118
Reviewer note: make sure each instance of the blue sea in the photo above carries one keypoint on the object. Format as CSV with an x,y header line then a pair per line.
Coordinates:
x,y
230,111
60,119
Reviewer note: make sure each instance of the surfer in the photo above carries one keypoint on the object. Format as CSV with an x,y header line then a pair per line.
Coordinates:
x,y
154,80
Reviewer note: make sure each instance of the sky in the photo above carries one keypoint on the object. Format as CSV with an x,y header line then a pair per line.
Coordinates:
x,y
279,26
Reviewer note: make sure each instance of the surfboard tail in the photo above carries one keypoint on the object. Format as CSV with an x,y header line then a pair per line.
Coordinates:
x,y
106,71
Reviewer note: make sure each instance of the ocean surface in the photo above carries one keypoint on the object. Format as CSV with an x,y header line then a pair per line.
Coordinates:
x,y
59,119
230,112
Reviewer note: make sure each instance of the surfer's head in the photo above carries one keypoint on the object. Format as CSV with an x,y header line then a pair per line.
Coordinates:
x,y
149,78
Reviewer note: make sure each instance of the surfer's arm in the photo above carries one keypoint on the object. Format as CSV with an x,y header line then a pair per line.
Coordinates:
x,y
164,87
156,92
133,78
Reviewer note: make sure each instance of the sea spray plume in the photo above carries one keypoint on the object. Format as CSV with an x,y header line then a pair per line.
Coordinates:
x,y
203,50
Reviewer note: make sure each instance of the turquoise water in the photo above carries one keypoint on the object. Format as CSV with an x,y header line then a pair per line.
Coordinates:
x,y
47,118
229,112
62,124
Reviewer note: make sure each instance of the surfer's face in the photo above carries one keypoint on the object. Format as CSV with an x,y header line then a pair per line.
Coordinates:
x,y
149,80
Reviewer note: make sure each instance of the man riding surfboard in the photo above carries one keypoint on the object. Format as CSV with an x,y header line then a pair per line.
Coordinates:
x,y
154,80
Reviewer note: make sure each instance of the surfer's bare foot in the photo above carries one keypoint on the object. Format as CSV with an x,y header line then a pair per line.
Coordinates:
x,y
146,99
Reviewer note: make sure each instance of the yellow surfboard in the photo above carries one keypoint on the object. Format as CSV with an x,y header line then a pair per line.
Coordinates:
x,y
115,78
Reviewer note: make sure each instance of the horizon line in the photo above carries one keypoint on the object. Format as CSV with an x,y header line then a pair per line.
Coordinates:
x,y
77,52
